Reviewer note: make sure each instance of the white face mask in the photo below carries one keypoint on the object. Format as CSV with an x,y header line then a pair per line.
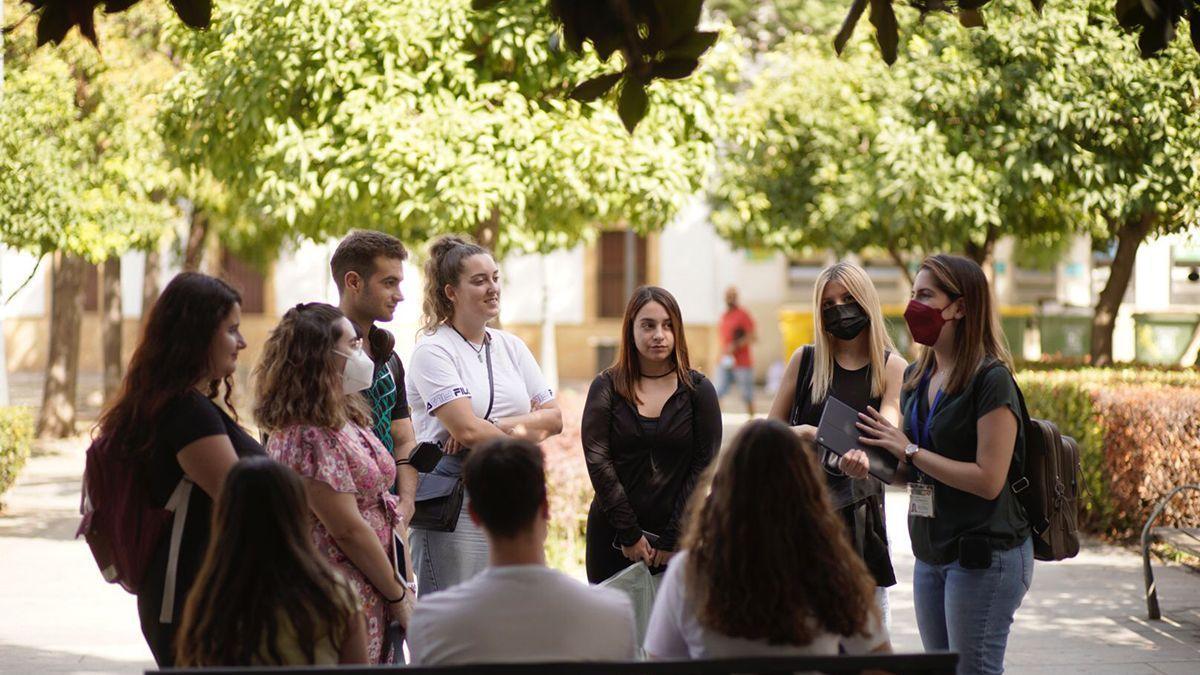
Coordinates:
x,y
359,372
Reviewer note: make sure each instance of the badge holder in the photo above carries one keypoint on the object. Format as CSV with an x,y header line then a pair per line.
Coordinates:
x,y
920,500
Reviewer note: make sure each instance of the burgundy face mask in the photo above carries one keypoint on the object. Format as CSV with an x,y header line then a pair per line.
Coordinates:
x,y
924,322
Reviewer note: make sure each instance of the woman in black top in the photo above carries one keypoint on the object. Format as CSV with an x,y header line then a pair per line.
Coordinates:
x,y
852,360
961,440
651,425
167,420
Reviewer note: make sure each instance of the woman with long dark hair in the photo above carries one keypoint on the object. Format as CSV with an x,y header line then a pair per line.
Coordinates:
x,y
468,382
168,421
852,359
264,597
307,383
651,425
961,437
767,568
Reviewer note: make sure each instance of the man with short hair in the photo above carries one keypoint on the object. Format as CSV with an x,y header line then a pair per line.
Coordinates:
x,y
518,609
737,332
368,267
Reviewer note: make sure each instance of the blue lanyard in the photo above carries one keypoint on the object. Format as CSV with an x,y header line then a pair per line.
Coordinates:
x,y
922,425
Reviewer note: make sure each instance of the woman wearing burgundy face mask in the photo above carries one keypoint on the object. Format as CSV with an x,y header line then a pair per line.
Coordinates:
x,y
960,436
853,360
311,371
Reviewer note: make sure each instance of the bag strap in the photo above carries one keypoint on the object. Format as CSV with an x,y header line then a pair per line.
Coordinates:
x,y
803,388
1018,480
487,346
178,503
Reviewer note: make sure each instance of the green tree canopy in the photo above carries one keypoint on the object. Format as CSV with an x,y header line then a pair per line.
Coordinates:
x,y
418,118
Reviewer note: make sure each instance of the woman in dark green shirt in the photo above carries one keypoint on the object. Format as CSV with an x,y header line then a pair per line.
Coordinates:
x,y
961,434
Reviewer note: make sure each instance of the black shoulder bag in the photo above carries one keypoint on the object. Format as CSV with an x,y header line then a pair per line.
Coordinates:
x,y
439,499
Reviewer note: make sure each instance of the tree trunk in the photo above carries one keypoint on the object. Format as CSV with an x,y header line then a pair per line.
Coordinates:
x,y
1129,237
982,253
150,288
193,255
901,263
57,416
111,327
487,232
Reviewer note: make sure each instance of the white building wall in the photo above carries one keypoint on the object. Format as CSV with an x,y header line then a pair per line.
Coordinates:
x,y
525,277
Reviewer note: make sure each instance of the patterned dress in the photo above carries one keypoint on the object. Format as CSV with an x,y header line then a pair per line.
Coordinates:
x,y
351,460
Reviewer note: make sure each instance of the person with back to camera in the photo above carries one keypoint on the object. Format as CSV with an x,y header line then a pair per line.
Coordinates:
x,y
167,419
308,385
766,567
961,436
468,383
852,360
518,609
264,597
651,425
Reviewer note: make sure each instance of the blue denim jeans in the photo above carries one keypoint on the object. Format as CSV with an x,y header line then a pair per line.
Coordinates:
x,y
443,559
727,376
971,611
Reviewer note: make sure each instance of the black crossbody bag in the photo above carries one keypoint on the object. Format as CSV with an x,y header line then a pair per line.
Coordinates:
x,y
439,499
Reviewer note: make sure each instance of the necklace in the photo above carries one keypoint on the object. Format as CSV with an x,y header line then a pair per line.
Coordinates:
x,y
656,377
479,351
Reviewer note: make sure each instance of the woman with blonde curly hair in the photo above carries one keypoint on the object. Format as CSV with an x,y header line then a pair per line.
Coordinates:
x,y
311,369
767,568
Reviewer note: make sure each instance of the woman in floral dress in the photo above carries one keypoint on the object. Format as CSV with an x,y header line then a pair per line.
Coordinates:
x,y
311,370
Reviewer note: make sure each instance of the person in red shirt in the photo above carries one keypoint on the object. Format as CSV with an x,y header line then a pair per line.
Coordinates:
x,y
736,331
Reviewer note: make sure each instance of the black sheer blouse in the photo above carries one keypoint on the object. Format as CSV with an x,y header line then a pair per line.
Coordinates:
x,y
644,474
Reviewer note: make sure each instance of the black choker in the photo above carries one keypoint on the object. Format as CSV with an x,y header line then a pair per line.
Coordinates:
x,y
656,377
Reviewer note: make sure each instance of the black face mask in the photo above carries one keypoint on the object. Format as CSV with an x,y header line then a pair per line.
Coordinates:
x,y
845,322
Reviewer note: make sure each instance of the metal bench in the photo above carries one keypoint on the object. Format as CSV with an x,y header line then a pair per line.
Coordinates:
x,y
938,663
1186,539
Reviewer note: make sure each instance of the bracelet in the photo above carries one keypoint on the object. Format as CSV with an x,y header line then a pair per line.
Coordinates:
x,y
400,599
401,462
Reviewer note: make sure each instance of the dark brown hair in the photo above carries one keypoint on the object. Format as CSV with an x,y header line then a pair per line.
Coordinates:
x,y
358,251
506,482
978,333
297,380
261,570
627,369
768,557
175,352
446,257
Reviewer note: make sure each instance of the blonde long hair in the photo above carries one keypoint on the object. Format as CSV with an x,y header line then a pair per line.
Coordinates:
x,y
856,281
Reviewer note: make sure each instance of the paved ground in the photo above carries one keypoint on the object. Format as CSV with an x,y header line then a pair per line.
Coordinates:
x,y
1085,615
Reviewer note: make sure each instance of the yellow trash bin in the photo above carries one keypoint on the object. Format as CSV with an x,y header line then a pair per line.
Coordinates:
x,y
796,327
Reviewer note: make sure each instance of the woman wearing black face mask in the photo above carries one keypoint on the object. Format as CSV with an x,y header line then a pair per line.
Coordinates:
x,y
852,360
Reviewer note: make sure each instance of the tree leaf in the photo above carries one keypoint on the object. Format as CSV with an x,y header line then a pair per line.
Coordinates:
x,y
848,25
887,32
53,24
674,69
693,44
633,103
1038,5
195,13
1131,13
596,87
672,20
972,18
1194,26
1157,33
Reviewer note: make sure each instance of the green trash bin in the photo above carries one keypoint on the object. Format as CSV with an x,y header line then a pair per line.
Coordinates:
x,y
1066,335
1161,339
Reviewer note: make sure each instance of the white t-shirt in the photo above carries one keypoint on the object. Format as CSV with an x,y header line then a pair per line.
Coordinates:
x,y
675,631
521,613
445,367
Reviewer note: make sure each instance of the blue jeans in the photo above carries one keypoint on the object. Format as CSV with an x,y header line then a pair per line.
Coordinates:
x,y
443,559
971,611
743,376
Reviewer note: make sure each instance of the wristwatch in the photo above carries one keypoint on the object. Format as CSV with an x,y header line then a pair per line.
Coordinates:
x,y
910,451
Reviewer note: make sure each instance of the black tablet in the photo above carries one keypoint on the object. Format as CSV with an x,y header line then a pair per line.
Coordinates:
x,y
838,433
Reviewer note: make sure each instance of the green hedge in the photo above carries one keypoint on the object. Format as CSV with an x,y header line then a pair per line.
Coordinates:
x,y
1138,434
16,438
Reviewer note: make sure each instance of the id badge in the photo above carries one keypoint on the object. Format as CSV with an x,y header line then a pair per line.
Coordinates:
x,y
920,500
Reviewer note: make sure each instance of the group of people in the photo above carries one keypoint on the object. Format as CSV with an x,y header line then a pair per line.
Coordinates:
x,y
323,544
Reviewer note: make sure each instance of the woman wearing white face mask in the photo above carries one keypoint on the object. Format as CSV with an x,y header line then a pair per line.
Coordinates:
x,y
311,366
